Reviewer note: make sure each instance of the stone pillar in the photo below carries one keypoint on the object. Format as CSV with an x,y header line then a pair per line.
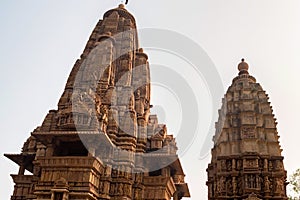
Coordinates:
x,y
265,164
49,150
52,196
92,151
40,150
234,185
21,169
233,164
175,196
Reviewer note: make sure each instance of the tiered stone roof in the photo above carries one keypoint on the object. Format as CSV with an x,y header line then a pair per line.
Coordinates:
x,y
102,142
246,157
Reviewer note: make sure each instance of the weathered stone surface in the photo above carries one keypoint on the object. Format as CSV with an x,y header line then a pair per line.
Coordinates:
x,y
246,158
101,142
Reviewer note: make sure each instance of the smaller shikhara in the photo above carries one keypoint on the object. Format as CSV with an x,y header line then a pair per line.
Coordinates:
x,y
246,158
102,142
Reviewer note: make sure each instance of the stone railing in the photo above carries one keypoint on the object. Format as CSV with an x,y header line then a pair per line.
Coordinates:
x,y
69,161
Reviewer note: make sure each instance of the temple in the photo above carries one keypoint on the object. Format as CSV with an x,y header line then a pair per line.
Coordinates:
x,y
102,141
246,158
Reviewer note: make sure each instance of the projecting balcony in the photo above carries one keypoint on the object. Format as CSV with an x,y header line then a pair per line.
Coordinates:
x,y
165,184
70,161
82,174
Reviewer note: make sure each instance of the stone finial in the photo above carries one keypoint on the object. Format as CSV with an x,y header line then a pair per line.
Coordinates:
x,y
122,6
108,33
243,67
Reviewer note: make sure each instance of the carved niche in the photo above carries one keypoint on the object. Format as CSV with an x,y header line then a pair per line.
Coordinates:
x,y
248,132
251,163
248,118
252,197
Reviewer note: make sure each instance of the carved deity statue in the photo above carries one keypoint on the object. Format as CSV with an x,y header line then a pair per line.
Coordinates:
x,y
223,164
136,194
229,187
267,184
234,185
229,165
139,104
120,188
221,184
103,118
279,186
252,181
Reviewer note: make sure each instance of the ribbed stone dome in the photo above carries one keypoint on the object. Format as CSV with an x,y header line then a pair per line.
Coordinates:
x,y
122,12
243,67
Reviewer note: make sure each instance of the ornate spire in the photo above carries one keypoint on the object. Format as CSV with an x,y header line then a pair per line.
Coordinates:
x,y
246,157
103,128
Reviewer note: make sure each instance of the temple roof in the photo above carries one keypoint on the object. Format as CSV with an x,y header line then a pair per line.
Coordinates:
x,y
246,153
22,160
104,112
121,10
246,107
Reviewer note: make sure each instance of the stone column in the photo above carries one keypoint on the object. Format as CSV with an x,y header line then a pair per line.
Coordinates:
x,y
92,151
175,196
265,164
49,150
21,169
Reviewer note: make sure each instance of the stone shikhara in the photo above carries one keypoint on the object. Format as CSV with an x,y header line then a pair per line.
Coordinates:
x,y
102,142
246,158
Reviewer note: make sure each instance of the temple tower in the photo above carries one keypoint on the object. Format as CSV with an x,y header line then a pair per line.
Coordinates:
x,y
102,141
246,158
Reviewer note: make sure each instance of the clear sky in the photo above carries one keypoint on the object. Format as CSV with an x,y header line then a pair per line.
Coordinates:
x,y
40,41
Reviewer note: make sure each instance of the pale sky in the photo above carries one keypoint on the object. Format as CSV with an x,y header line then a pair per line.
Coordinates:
x,y
41,40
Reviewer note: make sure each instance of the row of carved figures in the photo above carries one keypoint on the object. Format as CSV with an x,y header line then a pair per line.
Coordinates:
x,y
122,189
234,185
233,164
